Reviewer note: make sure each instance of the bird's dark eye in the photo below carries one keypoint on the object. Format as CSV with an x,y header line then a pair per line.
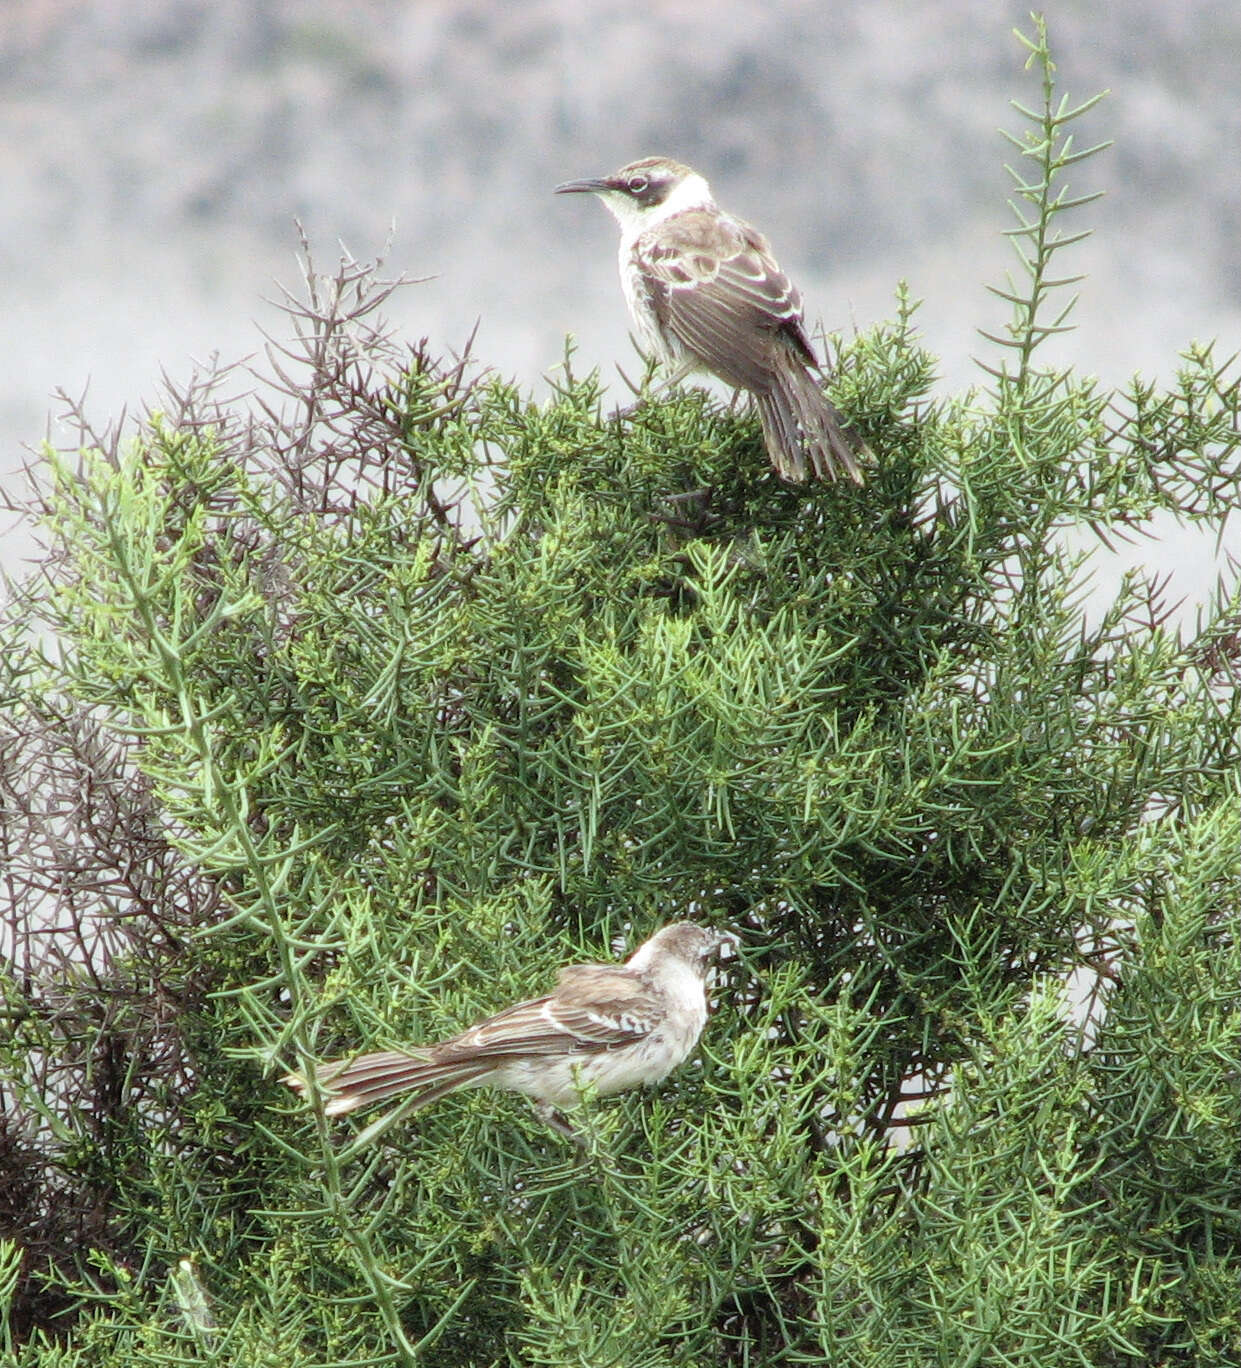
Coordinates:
x,y
637,184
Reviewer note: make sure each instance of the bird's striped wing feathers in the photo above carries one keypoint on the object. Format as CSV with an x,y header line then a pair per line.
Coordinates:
x,y
595,1007
717,288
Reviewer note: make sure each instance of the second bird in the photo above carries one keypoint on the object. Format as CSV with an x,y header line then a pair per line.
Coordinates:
x,y
706,293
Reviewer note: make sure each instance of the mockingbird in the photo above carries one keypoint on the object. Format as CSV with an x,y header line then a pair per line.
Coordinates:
x,y
610,1026
705,293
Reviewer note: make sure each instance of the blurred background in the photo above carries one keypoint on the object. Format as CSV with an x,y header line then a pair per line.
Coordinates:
x,y
154,159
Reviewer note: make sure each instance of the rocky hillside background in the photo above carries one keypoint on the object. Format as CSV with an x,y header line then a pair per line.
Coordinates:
x,y
154,159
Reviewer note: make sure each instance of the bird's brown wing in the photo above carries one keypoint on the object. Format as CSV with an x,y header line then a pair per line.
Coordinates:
x,y
595,1007
718,290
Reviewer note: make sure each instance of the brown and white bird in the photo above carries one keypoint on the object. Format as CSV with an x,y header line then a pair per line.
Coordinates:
x,y
610,1026
706,293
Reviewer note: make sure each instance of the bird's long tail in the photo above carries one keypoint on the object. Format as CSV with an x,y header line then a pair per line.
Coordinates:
x,y
799,424
371,1078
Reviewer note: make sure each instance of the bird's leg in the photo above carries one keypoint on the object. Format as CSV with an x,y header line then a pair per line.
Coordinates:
x,y
656,389
670,382
691,511
558,1122
701,495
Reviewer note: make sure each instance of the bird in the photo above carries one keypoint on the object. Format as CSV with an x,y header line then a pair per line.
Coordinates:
x,y
706,294
606,1026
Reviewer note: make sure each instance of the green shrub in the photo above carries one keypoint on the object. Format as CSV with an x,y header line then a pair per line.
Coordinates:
x,y
346,716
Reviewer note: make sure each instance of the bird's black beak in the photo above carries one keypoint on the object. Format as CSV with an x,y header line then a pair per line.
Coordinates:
x,y
595,186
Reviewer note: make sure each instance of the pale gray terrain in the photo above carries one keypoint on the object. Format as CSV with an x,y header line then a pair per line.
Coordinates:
x,y
154,159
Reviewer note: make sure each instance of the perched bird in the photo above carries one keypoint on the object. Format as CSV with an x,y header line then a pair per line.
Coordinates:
x,y
706,293
614,1026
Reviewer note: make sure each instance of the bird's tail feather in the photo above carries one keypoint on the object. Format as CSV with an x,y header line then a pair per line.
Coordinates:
x,y
799,422
361,1082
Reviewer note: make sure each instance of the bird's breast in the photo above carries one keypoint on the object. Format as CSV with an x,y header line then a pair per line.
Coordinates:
x,y
637,291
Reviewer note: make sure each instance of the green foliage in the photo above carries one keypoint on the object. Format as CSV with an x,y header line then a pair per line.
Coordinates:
x,y
345,726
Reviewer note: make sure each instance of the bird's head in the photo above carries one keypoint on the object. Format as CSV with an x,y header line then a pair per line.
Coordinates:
x,y
645,191
699,947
